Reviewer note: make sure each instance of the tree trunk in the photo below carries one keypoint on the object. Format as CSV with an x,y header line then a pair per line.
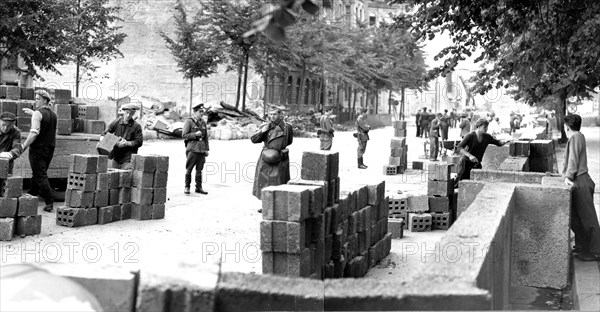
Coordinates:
x,y
402,117
337,96
390,102
247,52
353,111
300,96
191,94
265,95
561,111
77,77
377,103
239,86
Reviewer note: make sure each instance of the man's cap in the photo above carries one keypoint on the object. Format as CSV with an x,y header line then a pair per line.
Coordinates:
x,y
7,116
328,106
129,107
463,115
44,94
198,106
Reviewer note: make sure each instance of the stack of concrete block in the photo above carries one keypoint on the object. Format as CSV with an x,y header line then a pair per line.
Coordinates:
x,y
441,195
18,212
398,159
542,156
64,122
518,159
398,214
149,186
15,106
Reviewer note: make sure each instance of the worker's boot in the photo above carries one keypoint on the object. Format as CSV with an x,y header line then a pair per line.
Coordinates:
x,y
49,207
199,185
360,163
188,181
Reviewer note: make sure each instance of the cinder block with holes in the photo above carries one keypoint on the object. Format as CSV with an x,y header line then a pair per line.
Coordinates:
x,y
30,225
420,222
105,215
441,221
389,170
82,181
83,163
79,199
27,205
90,112
397,204
71,217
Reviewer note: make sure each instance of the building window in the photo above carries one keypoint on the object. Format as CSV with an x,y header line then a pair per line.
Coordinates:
x,y
372,20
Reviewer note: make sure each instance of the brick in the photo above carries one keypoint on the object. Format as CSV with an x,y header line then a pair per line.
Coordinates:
x,y
113,196
162,163
285,203
438,171
419,222
160,196
364,240
101,198
384,209
440,188
417,203
116,213
397,204
418,165
114,178
141,211
91,216
106,146
94,126
282,236
79,199
400,133
102,181
324,184
320,165
386,245
79,126
27,94
142,179
126,211
375,193
394,161
11,187
63,111
541,148
126,178
143,163
82,181
30,225
105,215
64,126
83,163
71,217
160,179
397,151
439,204
541,163
20,105
102,164
515,164
441,221
399,124
297,265
519,148
13,92
62,96
8,207
158,211
398,143
7,229
390,170
9,106
27,206
124,195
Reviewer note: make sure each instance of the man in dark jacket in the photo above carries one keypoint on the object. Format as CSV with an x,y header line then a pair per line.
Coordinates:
x,y
273,166
195,134
131,138
362,135
42,140
10,139
425,123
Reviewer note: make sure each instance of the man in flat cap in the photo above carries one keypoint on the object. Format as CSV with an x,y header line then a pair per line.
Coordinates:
x,y
10,139
195,134
42,140
131,137
326,130
273,166
362,135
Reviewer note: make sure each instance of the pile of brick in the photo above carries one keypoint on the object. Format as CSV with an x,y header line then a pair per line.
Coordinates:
x,y
98,195
310,230
13,99
73,118
399,152
18,211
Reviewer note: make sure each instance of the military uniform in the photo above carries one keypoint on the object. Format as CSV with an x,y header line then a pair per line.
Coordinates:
x,y
326,134
196,149
362,131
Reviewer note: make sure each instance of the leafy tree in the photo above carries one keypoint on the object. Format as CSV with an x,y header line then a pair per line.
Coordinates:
x,y
540,49
196,56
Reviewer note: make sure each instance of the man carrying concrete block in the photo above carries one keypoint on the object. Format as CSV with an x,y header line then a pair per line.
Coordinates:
x,y
131,138
10,139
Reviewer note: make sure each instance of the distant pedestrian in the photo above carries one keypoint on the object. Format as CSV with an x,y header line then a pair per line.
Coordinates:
x,y
418,123
465,125
131,138
425,123
444,124
362,136
434,137
42,140
584,221
326,128
10,139
453,118
273,166
195,135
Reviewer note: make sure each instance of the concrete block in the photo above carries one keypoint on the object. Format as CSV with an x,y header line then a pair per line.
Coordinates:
x,y
94,126
83,163
384,209
386,245
334,192
160,196
397,204
8,207
102,164
158,211
71,217
113,196
89,112
143,196
11,187
64,126
417,203
10,107
105,215
125,195
383,227
91,216
440,188
24,124
323,184
439,204
126,211
102,181
519,149
352,199
141,211
63,111
467,193
441,221
106,146
353,222
4,166
116,213
541,148
364,240
145,163
398,142
553,180
101,198
362,196
375,193
160,179
13,92
338,267
297,265
320,165
62,96
79,127
541,163
27,205
285,203
162,163
418,165
282,236
126,178
327,247
438,171
515,164
400,133
399,124
494,156
31,225
419,222
396,227
27,94
114,178
82,181
79,199
394,161
390,170
7,229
